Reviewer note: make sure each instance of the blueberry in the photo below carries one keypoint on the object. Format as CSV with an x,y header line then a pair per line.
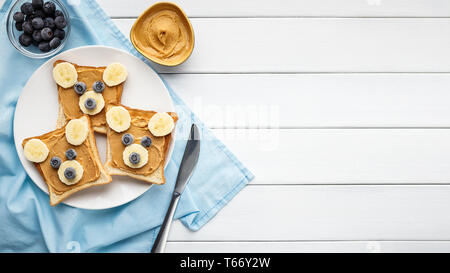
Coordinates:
x,y
60,22
37,4
36,44
37,36
55,42
49,8
90,104
44,46
39,13
146,141
80,88
127,139
49,22
135,158
70,173
25,40
19,26
27,8
30,17
55,162
71,154
58,13
46,33
37,23
98,86
27,27
19,17
59,33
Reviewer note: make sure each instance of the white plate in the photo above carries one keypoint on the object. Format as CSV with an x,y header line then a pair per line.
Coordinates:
x,y
37,110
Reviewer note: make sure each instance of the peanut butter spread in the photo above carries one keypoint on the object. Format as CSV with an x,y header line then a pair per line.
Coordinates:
x,y
139,129
70,100
163,34
57,144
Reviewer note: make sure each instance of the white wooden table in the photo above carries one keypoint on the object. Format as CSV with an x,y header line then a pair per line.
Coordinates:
x,y
343,115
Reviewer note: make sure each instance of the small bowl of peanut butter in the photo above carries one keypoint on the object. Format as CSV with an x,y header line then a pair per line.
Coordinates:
x,y
163,34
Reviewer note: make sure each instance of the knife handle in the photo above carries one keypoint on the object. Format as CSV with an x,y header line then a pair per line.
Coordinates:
x,y
161,239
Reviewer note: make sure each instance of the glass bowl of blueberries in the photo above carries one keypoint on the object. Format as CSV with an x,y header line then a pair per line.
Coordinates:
x,y
38,28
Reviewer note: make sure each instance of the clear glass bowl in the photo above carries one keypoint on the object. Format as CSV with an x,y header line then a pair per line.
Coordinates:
x,y
33,51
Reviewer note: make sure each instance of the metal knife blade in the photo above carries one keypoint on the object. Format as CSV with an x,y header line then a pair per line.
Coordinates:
x,y
190,158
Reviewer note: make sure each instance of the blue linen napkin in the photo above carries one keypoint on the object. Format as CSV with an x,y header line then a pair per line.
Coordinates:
x,y
29,224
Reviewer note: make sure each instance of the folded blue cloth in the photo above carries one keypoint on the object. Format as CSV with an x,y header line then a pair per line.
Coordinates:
x,y
29,224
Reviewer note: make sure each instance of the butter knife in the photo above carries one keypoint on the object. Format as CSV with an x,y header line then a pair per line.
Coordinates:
x,y
190,158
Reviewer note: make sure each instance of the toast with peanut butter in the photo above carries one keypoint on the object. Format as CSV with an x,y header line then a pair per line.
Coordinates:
x,y
138,142
86,90
67,159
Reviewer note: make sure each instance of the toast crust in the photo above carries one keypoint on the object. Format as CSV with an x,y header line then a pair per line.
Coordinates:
x,y
157,176
104,178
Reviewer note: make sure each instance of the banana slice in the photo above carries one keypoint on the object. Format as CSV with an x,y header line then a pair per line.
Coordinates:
x,y
65,74
138,149
35,150
77,131
161,124
118,118
99,102
70,164
115,74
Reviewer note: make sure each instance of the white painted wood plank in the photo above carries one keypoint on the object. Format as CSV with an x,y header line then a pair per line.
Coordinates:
x,y
305,8
342,156
315,45
316,100
369,213
316,247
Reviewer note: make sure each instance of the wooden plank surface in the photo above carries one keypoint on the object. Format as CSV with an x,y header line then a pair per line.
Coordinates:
x,y
311,213
287,45
343,156
290,8
312,246
316,100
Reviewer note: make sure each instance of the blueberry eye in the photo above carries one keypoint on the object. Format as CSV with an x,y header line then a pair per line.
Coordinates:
x,y
146,141
80,88
127,139
135,158
71,154
99,86
70,173
90,104
55,162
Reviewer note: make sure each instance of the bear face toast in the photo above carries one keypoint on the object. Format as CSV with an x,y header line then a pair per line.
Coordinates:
x,y
67,159
138,142
86,90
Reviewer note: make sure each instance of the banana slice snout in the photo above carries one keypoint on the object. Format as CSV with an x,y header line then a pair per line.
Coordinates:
x,y
77,131
65,74
35,150
118,118
161,124
91,102
115,74
70,172
135,156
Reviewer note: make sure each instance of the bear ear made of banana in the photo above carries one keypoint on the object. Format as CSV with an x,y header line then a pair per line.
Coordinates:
x,y
91,100
136,155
